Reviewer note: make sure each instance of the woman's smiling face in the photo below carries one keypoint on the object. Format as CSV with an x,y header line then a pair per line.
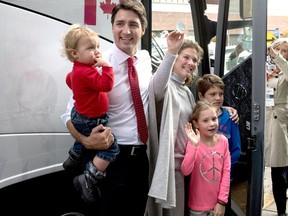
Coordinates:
x,y
186,63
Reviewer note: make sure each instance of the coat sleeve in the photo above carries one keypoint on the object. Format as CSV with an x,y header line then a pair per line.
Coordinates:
x,y
282,63
162,76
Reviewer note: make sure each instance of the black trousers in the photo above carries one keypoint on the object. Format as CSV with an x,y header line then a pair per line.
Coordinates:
x,y
125,188
279,187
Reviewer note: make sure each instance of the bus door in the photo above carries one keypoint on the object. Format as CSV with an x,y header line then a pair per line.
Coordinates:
x,y
240,61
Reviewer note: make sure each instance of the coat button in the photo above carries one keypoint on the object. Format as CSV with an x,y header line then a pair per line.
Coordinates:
x,y
274,89
275,117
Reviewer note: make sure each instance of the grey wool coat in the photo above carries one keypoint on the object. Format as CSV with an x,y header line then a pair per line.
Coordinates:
x,y
164,117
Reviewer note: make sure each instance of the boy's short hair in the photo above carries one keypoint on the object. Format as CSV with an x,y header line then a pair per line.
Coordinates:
x,y
208,81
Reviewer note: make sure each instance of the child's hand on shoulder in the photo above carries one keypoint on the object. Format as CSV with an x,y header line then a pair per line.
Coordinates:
x,y
193,136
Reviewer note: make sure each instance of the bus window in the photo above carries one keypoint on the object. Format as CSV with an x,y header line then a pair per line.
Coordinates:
x,y
238,36
168,16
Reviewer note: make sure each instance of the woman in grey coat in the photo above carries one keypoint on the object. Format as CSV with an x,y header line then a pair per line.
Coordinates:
x,y
276,128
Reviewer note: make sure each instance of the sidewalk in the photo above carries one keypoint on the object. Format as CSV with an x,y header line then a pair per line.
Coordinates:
x,y
269,208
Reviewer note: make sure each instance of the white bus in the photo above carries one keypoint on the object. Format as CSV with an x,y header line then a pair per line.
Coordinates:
x,y
33,140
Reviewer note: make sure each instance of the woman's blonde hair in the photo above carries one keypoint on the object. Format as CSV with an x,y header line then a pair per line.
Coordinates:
x,y
278,42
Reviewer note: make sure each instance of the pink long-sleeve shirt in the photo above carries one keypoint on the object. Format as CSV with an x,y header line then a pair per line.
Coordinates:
x,y
210,174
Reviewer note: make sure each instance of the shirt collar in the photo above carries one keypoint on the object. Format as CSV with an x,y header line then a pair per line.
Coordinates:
x,y
120,56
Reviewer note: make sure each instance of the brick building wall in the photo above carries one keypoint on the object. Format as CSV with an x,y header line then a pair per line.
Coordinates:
x,y
168,21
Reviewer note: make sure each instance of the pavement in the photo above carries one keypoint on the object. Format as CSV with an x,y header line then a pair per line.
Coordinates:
x,y
269,207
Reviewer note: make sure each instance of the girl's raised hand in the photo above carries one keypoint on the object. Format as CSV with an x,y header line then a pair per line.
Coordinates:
x,y
193,136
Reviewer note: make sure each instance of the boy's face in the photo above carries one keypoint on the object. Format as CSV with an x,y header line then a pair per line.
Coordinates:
x,y
214,95
87,50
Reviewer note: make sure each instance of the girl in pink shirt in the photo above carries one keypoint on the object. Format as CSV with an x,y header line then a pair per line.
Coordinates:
x,y
207,159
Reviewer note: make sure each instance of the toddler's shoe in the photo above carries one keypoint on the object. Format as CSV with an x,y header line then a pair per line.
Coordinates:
x,y
87,183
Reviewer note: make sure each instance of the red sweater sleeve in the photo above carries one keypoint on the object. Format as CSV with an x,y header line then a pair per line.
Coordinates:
x,y
98,82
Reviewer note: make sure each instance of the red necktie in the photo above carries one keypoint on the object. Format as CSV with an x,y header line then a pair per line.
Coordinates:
x,y
137,100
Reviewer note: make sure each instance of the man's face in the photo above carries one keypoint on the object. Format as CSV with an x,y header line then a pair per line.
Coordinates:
x,y
127,31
